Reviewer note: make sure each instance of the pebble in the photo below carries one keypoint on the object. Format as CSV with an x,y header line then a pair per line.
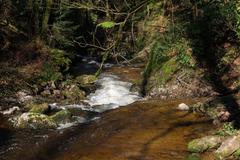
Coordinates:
x,y
183,107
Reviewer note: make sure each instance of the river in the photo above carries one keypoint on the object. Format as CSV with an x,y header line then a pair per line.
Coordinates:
x,y
127,127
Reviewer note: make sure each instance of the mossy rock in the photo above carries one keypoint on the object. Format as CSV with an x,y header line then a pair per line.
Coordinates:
x,y
74,93
63,116
35,121
193,156
205,143
39,108
237,154
85,80
228,147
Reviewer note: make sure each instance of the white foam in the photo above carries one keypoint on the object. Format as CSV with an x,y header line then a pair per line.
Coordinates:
x,y
112,94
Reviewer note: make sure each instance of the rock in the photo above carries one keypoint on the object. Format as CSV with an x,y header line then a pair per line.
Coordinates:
x,y
46,93
223,116
228,147
85,80
39,108
10,110
34,121
237,153
202,144
24,97
237,61
193,156
74,93
183,107
56,92
63,116
52,85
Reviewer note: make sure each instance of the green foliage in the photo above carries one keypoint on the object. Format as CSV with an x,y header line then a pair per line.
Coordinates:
x,y
94,17
227,130
63,34
60,59
184,56
50,73
106,24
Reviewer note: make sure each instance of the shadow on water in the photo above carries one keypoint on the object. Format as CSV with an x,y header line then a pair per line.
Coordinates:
x,y
172,128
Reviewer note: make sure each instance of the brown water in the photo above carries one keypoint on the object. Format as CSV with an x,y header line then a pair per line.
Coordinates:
x,y
149,130
144,130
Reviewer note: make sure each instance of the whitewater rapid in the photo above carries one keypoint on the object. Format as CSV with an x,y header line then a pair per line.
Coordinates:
x,y
111,94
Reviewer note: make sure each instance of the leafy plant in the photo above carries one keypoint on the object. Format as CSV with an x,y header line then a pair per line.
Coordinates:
x,y
227,130
60,59
50,73
106,24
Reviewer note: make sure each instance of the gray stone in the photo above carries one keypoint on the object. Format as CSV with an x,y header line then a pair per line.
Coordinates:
x,y
228,147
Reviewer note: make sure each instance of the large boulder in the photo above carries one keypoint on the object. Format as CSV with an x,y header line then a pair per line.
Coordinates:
x,y
228,147
34,121
202,144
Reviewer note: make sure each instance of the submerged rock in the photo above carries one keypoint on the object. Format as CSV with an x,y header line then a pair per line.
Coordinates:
x,y
202,144
228,147
183,107
63,116
34,121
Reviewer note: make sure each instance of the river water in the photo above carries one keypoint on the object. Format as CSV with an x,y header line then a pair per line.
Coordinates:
x,y
125,128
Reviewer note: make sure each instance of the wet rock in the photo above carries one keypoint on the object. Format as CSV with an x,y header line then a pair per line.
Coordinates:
x,y
193,156
39,108
202,144
74,93
85,80
10,110
63,116
183,107
34,121
228,147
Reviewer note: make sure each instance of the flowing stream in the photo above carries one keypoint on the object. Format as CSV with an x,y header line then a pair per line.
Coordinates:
x,y
125,128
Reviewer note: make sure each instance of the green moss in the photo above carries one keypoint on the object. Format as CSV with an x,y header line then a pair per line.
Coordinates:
x,y
35,121
38,108
194,146
86,79
237,153
202,144
63,116
193,157
167,70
